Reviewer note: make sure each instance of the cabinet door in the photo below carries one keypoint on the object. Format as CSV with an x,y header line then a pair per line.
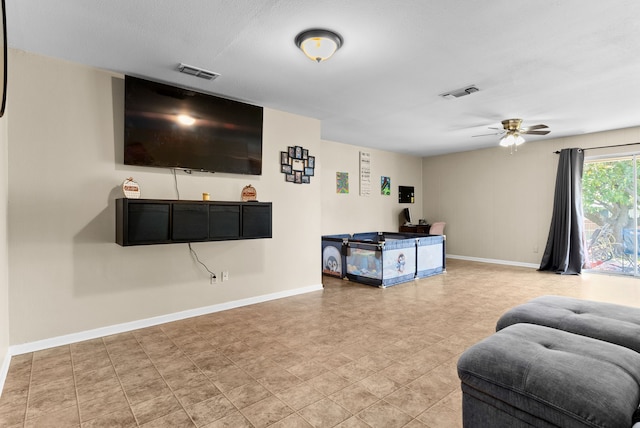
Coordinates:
x,y
147,223
256,220
190,222
224,222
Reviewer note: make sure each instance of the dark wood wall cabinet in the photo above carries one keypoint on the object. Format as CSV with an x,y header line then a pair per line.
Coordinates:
x,y
158,221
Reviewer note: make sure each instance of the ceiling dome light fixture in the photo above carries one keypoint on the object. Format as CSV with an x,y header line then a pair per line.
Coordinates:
x,y
318,44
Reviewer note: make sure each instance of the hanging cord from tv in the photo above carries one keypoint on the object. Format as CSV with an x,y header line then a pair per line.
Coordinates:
x,y
175,180
191,250
195,255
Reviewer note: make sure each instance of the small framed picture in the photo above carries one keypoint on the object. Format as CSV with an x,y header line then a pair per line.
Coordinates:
x,y
305,153
298,176
306,179
286,169
297,165
292,152
298,152
308,171
385,185
342,182
284,158
289,177
311,162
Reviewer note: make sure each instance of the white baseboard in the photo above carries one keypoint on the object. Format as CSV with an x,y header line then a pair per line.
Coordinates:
x,y
494,261
4,369
148,322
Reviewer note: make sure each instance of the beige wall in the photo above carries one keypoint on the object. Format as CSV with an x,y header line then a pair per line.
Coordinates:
x,y
67,275
498,206
4,256
352,213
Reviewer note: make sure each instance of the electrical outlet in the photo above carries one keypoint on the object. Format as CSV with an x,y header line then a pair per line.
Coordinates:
x,y
214,280
225,275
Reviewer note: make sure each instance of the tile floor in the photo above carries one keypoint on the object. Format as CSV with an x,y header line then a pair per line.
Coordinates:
x,y
349,356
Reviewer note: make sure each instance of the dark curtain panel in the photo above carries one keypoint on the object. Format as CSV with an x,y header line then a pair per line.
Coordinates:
x,y
564,252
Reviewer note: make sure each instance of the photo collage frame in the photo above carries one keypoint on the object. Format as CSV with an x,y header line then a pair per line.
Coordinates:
x,y
297,165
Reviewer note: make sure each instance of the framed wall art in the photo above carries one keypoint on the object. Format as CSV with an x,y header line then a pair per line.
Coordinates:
x,y
406,195
297,165
385,185
342,182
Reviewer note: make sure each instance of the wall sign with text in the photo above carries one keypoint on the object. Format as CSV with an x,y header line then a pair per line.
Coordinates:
x,y
365,174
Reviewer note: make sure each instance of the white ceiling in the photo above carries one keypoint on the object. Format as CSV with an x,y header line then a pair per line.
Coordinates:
x,y
573,65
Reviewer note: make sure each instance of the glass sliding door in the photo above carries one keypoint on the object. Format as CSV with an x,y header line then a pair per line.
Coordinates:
x,y
610,202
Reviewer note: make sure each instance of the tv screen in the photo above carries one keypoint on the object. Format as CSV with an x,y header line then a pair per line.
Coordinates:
x,y
172,127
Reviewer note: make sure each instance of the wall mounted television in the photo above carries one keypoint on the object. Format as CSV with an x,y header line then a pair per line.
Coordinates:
x,y
170,127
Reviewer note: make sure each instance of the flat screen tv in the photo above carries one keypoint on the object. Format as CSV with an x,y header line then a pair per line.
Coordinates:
x,y
170,127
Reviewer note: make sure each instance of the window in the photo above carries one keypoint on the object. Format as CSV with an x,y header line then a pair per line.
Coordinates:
x,y
610,202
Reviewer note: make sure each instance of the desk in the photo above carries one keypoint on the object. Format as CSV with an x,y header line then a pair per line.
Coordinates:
x,y
415,228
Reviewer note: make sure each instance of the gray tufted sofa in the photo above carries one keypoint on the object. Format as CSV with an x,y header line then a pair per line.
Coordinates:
x,y
555,362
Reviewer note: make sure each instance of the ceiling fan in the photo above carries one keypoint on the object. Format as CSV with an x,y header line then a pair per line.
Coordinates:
x,y
512,132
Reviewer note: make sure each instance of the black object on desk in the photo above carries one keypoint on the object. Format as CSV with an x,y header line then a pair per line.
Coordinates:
x,y
415,228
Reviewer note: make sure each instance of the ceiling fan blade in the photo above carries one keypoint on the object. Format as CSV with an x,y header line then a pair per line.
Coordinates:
x,y
534,127
534,132
484,135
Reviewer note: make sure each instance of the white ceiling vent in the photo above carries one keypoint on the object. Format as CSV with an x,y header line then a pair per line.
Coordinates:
x,y
198,72
457,93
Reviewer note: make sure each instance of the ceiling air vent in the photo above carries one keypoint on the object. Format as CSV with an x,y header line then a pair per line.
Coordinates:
x,y
198,72
457,93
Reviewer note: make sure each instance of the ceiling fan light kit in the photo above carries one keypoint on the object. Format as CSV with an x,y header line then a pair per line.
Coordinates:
x,y
512,139
512,132
318,44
